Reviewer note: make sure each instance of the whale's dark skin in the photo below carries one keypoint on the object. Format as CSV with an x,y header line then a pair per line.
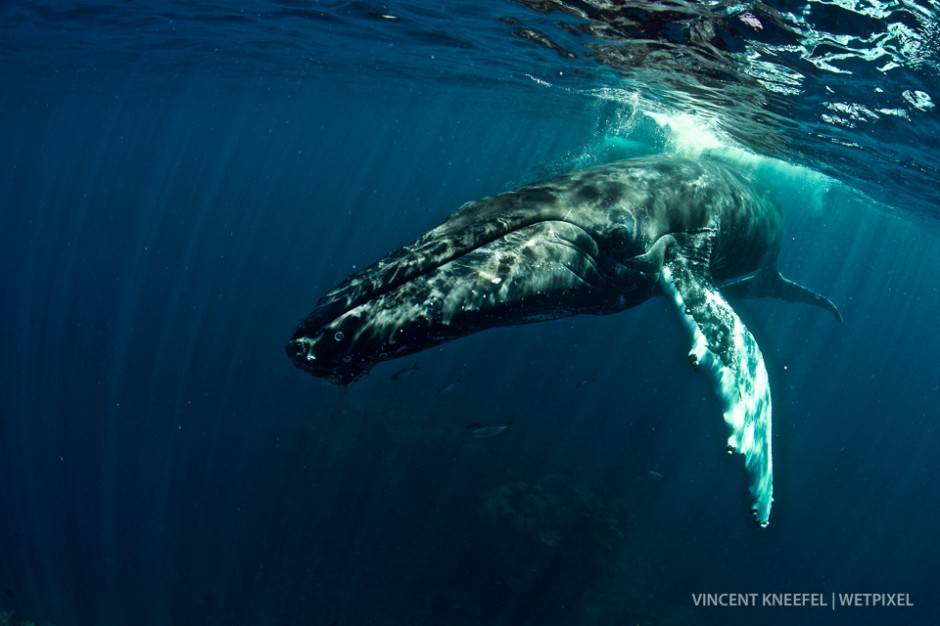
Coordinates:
x,y
597,241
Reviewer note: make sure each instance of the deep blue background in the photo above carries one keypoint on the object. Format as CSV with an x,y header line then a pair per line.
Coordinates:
x,y
162,462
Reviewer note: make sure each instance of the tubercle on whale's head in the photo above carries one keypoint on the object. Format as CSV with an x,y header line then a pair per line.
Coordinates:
x,y
308,356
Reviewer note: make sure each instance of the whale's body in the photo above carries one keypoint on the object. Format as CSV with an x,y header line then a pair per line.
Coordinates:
x,y
596,241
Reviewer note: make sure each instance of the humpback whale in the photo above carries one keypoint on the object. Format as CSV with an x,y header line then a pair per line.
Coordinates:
x,y
595,241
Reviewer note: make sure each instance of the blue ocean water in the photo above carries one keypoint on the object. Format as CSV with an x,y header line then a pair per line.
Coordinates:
x,y
182,181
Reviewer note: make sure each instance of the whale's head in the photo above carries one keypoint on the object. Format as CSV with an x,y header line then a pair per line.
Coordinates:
x,y
542,252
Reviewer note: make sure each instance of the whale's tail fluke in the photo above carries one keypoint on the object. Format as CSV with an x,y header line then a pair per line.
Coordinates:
x,y
769,283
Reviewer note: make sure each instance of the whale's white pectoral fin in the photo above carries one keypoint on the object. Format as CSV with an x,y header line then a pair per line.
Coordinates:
x,y
725,349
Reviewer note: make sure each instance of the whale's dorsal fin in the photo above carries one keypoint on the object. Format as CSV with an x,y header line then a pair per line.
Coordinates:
x,y
769,283
725,349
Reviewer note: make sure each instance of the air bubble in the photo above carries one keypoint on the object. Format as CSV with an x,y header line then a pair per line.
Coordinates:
x,y
338,336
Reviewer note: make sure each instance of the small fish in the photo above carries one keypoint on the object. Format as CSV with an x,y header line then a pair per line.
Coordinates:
x,y
654,474
450,386
405,372
582,383
481,431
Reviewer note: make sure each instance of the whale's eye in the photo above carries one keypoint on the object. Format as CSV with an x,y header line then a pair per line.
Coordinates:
x,y
338,336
